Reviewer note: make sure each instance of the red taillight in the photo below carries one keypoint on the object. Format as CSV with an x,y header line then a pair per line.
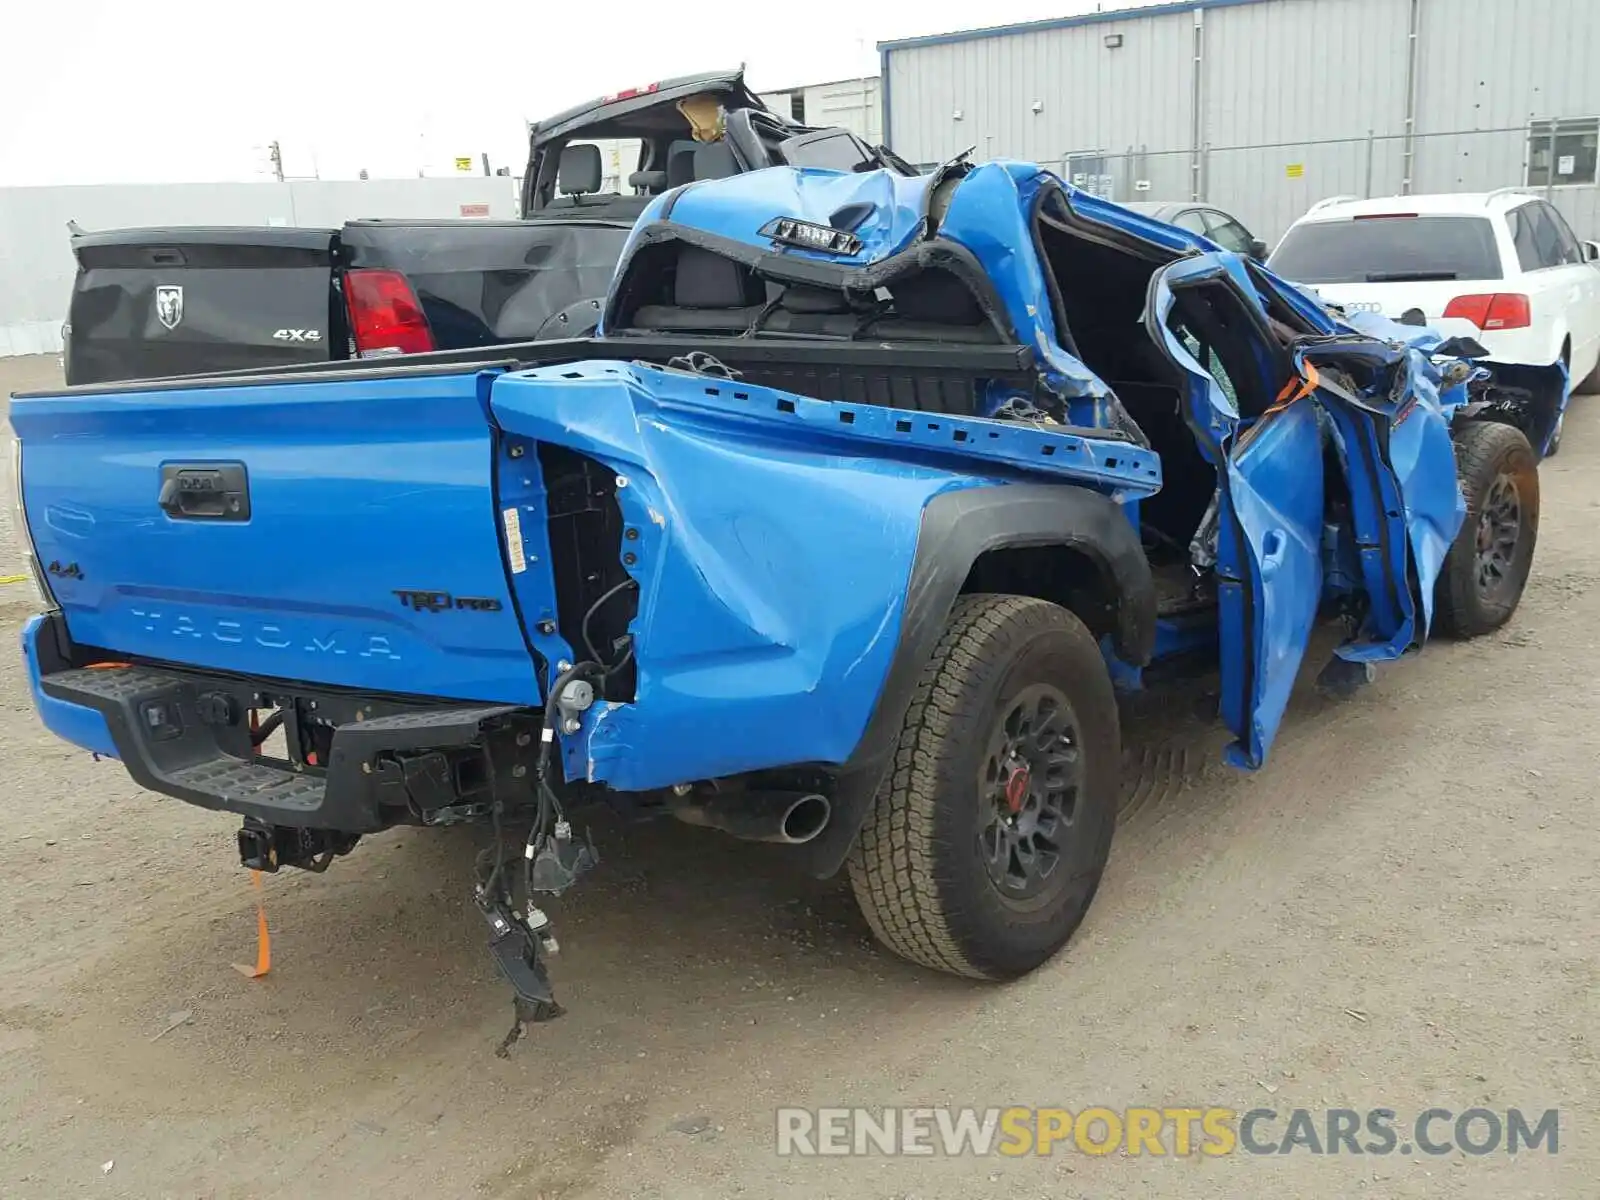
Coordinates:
x,y
1497,310
385,317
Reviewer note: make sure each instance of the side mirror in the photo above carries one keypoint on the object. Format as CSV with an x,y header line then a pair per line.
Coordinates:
x,y
1591,252
1259,250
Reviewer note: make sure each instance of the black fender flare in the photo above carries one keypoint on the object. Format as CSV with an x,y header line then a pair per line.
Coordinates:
x,y
958,527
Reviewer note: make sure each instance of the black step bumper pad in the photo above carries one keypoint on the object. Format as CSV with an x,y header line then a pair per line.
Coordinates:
x,y
165,727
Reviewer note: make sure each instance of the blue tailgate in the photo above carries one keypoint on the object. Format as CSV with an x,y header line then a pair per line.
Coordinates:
x,y
370,556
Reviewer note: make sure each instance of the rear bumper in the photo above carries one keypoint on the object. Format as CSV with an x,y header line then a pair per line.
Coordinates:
x,y
44,645
1530,347
184,734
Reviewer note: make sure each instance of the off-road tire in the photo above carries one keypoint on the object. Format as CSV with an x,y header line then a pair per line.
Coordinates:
x,y
1487,452
916,868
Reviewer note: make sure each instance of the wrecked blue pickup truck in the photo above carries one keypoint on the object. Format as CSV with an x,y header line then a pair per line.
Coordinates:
x,y
844,534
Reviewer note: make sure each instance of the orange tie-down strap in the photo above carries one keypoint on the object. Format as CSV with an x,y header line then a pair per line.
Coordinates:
x,y
263,938
1296,389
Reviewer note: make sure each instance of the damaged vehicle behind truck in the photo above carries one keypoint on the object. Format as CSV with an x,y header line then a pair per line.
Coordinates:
x,y
155,303
843,534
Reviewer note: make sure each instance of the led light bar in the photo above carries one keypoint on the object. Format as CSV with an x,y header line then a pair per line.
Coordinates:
x,y
805,235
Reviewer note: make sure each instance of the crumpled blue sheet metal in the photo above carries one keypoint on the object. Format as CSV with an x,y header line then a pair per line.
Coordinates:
x,y
784,540
1269,547
739,207
1549,385
990,215
1392,438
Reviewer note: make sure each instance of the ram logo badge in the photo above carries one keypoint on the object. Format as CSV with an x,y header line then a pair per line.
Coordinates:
x,y
438,602
169,304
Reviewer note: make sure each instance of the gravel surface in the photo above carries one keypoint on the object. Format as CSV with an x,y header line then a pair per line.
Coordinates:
x,y
1400,911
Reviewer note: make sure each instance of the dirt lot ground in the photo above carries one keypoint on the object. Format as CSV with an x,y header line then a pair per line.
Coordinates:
x,y
1423,855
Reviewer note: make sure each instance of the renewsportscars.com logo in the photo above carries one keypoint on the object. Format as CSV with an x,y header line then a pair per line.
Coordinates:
x,y
1168,1131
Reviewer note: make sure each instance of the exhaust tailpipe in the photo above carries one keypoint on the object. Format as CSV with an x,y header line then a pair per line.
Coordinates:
x,y
789,818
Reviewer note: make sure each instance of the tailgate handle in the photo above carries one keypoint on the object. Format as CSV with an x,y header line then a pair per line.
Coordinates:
x,y
205,492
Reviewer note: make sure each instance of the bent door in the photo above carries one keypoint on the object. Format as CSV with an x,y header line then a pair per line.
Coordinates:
x,y
1265,439
1384,407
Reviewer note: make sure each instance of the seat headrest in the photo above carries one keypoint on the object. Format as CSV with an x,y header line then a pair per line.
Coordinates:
x,y
579,172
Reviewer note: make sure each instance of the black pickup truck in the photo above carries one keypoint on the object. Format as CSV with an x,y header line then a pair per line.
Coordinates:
x,y
150,303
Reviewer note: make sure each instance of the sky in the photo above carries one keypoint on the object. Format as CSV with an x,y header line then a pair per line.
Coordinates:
x,y
106,91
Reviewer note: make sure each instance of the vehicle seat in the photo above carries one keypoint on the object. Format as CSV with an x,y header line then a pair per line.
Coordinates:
x,y
709,294
648,181
579,172
1156,402
680,163
714,160
933,306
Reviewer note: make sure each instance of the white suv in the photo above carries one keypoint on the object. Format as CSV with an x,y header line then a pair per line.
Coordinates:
x,y
1504,261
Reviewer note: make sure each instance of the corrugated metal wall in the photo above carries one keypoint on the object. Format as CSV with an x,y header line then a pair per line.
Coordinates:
x,y
1276,77
1490,64
1090,98
37,267
1298,69
853,104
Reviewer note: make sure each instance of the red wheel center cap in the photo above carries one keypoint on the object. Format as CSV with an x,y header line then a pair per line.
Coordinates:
x,y
1017,784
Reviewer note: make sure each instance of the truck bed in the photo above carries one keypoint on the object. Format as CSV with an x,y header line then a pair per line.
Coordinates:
x,y
918,376
437,534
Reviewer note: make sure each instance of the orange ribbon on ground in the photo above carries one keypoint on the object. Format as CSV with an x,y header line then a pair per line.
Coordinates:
x,y
263,939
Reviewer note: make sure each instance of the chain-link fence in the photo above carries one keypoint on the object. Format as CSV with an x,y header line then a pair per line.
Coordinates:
x,y
1267,186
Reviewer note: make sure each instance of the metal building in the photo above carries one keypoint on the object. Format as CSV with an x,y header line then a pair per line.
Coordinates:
x,y
853,104
1264,106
